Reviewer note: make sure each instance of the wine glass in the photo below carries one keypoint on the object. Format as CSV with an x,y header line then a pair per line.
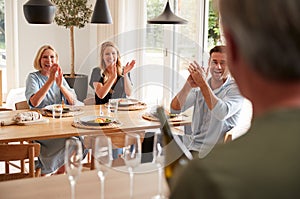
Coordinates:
x,y
100,110
73,157
103,158
132,155
158,159
113,108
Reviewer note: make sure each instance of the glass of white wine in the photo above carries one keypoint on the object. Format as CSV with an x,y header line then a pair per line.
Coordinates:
x,y
103,158
158,159
132,155
73,158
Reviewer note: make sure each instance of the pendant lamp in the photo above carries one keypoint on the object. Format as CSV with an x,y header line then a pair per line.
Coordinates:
x,y
39,11
167,17
101,13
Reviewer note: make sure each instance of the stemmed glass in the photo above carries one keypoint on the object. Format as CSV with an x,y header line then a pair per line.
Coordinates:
x,y
73,158
132,155
158,159
103,158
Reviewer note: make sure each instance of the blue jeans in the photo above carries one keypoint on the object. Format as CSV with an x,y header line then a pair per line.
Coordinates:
x,y
117,152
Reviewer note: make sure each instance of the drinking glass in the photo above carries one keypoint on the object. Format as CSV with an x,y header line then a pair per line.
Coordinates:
x,y
132,155
57,111
113,108
158,159
73,157
100,110
103,158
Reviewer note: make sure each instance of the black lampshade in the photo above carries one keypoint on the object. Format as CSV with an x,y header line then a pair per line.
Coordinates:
x,y
101,13
39,11
167,17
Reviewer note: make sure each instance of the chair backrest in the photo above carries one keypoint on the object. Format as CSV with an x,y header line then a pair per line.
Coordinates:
x,y
15,95
14,152
118,141
23,105
5,109
89,101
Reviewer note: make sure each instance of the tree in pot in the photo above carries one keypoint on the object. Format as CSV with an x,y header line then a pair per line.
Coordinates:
x,y
71,14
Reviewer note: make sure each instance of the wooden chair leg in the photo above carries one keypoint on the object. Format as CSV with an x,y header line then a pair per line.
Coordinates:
x,y
92,162
7,166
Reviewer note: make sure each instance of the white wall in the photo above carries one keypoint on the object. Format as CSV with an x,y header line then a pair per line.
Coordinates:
x,y
31,37
23,40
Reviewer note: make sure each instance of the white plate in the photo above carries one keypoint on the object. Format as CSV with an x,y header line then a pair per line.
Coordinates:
x,y
90,120
127,102
43,120
66,109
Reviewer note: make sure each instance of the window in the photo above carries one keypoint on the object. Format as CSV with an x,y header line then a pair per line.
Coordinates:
x,y
2,45
170,48
214,35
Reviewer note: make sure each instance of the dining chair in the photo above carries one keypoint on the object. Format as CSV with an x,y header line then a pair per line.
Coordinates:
x,y
23,105
14,96
5,109
117,141
22,152
89,101
89,142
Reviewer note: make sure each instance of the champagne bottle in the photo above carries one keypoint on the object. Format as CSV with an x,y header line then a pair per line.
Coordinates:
x,y
176,153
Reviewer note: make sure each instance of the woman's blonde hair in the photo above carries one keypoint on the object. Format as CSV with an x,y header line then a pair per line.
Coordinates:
x,y
104,45
37,60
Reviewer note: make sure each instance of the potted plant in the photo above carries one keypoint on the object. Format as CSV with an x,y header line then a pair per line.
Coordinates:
x,y
74,14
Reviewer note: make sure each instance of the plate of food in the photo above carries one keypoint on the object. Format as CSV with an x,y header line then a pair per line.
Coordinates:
x,y
154,113
95,120
128,102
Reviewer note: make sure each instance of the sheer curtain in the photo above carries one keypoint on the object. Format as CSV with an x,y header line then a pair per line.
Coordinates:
x,y
160,64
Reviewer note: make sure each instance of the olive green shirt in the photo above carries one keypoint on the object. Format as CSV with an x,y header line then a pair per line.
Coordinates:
x,y
264,163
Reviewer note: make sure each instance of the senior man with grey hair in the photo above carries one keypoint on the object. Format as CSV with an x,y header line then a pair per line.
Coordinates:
x,y
263,46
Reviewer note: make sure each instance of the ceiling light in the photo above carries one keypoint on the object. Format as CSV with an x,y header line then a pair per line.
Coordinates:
x,y
167,17
101,13
39,11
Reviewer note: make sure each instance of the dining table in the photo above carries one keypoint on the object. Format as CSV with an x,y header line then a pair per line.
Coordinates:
x,y
88,185
135,120
127,121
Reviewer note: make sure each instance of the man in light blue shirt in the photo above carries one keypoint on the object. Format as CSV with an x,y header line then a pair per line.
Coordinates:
x,y
217,103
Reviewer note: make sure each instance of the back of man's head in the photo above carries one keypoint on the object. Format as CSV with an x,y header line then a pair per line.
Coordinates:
x,y
267,34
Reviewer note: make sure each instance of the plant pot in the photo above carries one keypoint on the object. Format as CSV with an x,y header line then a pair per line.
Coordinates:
x,y
79,83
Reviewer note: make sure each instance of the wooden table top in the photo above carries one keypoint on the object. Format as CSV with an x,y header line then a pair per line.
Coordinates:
x,y
131,121
87,186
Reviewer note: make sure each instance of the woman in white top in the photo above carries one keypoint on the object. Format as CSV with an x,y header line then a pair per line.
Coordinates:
x,y
44,87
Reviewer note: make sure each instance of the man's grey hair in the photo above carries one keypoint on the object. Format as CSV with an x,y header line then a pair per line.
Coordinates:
x,y
267,34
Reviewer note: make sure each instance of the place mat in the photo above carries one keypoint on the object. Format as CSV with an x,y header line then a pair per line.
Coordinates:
x,y
48,113
134,107
78,124
150,117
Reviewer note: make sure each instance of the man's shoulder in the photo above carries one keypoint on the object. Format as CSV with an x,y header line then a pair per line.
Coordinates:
x,y
230,81
230,84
